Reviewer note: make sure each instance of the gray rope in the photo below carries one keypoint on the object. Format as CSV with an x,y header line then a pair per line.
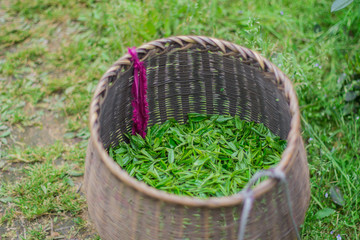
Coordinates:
x,y
249,199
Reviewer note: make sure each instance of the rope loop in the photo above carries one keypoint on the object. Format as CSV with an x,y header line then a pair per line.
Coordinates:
x,y
249,198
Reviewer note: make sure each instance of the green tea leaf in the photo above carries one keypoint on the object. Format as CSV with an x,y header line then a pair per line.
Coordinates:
x,y
232,146
196,117
138,140
171,156
200,162
222,118
120,150
238,123
143,151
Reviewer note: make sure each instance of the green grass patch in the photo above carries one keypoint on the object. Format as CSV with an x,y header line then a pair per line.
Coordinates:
x,y
13,34
46,189
26,57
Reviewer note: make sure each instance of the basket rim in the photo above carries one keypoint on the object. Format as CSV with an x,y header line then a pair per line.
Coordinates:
x,y
227,48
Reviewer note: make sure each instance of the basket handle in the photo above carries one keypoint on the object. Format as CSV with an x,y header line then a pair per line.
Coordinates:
x,y
249,198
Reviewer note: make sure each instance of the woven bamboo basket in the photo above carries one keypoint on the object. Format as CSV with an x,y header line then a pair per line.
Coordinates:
x,y
202,75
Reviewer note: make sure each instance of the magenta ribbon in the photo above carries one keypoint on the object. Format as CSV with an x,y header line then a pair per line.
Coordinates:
x,y
139,102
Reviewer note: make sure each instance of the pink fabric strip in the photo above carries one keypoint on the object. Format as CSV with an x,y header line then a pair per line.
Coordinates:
x,y
139,90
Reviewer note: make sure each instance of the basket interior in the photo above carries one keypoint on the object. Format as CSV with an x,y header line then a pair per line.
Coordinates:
x,y
195,80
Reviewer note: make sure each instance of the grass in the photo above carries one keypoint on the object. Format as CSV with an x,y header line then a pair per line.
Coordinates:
x,y
52,53
45,189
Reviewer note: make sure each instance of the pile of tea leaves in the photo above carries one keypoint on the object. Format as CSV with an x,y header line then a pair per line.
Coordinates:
x,y
209,155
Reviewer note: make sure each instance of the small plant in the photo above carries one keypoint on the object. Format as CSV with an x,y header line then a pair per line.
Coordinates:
x,y
352,91
349,86
210,155
35,233
340,4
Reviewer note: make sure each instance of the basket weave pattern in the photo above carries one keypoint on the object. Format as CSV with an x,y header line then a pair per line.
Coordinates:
x,y
203,75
